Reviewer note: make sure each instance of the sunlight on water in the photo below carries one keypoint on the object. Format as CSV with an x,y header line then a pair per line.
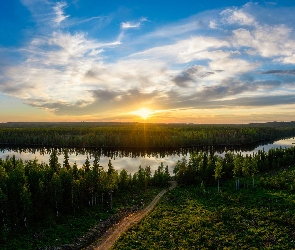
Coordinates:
x,y
131,164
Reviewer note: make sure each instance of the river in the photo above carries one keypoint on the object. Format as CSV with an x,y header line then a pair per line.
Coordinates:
x,y
131,160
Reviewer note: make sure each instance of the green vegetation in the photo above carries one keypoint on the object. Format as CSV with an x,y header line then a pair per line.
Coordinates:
x,y
62,197
67,229
190,217
221,202
138,135
60,203
239,215
206,169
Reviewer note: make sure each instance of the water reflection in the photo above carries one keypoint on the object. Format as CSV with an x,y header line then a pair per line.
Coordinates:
x,y
130,159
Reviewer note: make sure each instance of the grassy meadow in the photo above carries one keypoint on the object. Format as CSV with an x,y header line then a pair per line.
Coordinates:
x,y
191,217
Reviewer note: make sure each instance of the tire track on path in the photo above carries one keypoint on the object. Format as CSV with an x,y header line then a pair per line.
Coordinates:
x,y
113,234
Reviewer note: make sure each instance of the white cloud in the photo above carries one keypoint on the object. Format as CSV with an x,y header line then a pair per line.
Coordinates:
x,y
185,50
288,59
237,16
232,66
129,25
46,13
55,68
59,12
133,25
212,24
267,41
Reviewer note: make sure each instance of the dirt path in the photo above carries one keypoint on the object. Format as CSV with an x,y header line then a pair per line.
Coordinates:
x,y
115,232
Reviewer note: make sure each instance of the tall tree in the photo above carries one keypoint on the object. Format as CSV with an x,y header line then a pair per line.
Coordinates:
x,y
238,161
86,165
218,171
53,161
253,169
66,163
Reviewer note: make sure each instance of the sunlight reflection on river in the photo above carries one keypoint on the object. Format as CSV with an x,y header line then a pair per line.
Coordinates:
x,y
131,164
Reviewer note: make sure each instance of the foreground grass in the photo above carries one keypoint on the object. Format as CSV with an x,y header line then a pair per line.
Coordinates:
x,y
188,218
51,234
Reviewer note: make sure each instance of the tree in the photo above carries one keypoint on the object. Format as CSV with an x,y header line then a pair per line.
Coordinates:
x,y
96,172
96,160
218,170
141,178
228,163
66,181
18,197
3,200
35,179
86,165
56,194
246,165
123,180
237,170
112,181
148,175
111,168
161,176
53,161
253,168
180,170
66,163
75,171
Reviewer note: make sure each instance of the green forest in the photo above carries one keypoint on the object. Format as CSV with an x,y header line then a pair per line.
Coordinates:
x,y
139,135
44,205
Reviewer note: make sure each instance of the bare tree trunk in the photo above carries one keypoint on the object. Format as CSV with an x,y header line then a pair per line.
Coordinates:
x,y
111,196
72,196
56,206
218,184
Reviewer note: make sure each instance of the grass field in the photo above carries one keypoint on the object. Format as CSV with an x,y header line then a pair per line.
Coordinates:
x,y
189,218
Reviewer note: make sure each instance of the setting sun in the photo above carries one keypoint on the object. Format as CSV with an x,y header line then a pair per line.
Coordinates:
x,y
144,113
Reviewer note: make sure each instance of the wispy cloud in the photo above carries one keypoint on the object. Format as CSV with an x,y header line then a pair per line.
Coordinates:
x,y
132,24
59,12
129,25
46,13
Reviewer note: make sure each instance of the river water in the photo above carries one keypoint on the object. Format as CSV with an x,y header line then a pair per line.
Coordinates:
x,y
131,161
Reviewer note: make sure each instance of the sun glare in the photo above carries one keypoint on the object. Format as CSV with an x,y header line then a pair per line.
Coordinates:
x,y
144,113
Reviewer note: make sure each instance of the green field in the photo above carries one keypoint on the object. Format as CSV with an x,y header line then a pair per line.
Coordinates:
x,y
190,218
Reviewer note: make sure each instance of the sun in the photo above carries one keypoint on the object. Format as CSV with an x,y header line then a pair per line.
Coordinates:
x,y
143,112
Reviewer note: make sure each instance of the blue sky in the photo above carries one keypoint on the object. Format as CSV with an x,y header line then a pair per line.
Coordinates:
x,y
183,61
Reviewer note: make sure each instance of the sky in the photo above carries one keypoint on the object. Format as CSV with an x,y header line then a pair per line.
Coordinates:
x,y
147,61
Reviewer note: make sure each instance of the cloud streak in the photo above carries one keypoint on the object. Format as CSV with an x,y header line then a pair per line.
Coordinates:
x,y
59,12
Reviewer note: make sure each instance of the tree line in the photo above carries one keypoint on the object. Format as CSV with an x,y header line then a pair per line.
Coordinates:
x,y
203,169
31,192
142,136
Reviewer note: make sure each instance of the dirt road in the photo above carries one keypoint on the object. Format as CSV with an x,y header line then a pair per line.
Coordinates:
x,y
115,232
